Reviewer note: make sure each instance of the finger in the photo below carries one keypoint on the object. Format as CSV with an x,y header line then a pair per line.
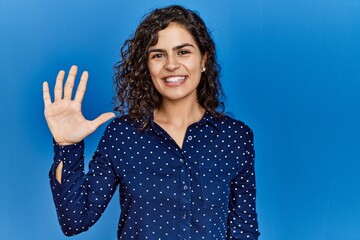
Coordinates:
x,y
46,94
80,92
69,85
100,120
58,86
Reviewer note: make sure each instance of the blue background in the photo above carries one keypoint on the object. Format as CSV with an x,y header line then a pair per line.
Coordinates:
x,y
291,70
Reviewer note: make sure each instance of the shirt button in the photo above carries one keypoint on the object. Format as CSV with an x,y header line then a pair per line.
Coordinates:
x,y
189,138
182,160
60,153
185,215
186,187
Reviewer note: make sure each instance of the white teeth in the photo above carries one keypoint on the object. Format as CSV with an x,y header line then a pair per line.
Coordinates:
x,y
174,79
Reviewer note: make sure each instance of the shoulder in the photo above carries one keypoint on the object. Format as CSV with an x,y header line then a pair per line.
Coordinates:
x,y
231,128
121,125
236,132
229,124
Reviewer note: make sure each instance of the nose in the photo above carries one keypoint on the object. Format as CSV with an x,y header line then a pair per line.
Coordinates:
x,y
171,63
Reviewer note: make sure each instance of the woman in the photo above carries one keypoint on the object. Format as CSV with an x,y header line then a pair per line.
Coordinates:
x,y
185,170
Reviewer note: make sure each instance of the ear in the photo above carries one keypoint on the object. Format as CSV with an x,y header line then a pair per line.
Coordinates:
x,y
204,59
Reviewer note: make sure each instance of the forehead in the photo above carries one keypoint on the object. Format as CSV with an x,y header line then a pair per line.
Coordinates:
x,y
174,34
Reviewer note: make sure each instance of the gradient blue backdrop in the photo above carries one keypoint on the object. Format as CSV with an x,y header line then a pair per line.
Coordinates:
x,y
291,70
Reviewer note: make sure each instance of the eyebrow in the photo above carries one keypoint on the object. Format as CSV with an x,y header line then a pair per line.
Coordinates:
x,y
174,48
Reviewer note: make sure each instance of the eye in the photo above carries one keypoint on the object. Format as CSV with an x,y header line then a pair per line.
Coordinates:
x,y
157,55
183,52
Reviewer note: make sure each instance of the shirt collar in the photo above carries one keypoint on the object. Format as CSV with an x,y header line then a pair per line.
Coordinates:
x,y
210,119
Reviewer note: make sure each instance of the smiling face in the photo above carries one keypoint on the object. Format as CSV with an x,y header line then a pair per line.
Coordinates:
x,y
175,64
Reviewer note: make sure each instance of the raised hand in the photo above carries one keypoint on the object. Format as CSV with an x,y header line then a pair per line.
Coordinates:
x,y
64,116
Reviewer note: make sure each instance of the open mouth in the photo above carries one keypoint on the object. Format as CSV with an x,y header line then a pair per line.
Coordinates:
x,y
174,79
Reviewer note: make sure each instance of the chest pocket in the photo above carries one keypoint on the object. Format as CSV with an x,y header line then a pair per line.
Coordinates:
x,y
215,183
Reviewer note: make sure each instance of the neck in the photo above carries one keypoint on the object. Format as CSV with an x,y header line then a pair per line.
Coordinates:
x,y
179,113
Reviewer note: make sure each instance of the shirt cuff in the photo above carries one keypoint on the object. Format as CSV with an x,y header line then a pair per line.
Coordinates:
x,y
70,155
67,153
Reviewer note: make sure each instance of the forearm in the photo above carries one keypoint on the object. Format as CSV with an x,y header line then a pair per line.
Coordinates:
x,y
78,200
69,189
242,220
66,180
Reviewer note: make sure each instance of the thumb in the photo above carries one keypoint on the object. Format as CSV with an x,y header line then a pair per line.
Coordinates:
x,y
101,119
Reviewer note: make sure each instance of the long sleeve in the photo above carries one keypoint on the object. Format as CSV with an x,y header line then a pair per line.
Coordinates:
x,y
81,198
242,221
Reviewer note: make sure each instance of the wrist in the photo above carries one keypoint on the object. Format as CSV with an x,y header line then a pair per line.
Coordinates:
x,y
62,144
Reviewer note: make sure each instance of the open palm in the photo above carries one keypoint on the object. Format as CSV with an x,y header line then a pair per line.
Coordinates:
x,y
64,116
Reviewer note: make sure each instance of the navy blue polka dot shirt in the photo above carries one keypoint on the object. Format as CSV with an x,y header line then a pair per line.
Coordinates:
x,y
204,190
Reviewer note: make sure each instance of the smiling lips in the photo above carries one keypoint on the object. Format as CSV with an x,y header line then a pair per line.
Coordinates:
x,y
174,80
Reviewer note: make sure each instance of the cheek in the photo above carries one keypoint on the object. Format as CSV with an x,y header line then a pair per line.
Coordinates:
x,y
155,80
194,66
154,70
195,70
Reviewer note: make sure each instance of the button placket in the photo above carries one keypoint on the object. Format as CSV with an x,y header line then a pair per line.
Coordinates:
x,y
185,196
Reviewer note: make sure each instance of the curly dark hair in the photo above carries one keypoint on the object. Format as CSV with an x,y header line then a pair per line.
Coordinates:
x,y
136,93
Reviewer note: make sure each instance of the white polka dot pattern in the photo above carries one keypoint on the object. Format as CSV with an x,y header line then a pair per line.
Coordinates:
x,y
204,190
